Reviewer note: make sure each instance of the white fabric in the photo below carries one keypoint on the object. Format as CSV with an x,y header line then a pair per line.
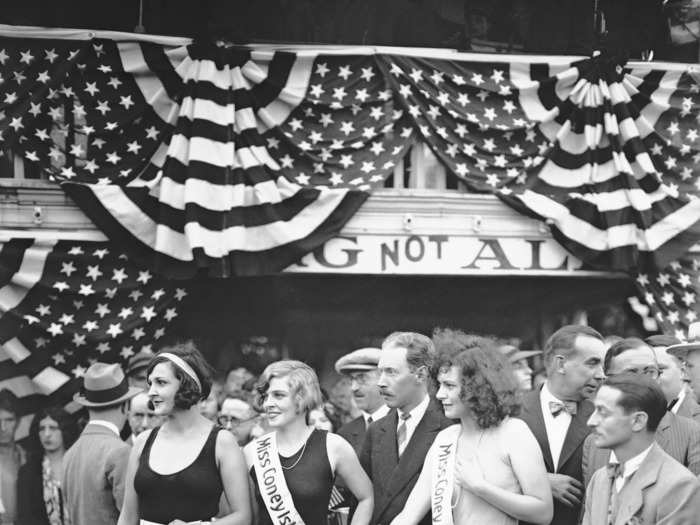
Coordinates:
x,y
681,398
377,414
442,461
412,422
556,427
107,424
271,483
630,467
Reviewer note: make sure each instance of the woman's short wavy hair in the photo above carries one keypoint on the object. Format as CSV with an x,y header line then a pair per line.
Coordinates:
x,y
489,389
301,379
66,423
188,394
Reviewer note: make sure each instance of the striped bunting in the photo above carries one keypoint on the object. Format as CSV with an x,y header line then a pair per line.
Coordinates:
x,y
64,305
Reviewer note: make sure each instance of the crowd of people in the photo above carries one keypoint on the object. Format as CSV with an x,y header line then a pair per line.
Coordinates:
x,y
450,429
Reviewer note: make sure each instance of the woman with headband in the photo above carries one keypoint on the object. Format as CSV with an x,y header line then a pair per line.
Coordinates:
x,y
178,471
293,466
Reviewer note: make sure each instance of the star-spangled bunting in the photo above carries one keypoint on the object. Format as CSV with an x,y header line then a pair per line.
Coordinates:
x,y
239,160
66,305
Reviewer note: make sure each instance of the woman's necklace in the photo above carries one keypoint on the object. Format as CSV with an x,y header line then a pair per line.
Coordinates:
x,y
303,449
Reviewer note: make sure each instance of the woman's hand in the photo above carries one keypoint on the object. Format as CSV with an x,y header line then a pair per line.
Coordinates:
x,y
469,474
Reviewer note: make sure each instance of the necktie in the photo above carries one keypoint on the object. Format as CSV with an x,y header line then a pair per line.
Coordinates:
x,y
556,407
401,432
614,471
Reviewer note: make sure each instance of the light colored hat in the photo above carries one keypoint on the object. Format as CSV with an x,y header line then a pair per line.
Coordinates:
x,y
682,350
514,355
104,385
361,359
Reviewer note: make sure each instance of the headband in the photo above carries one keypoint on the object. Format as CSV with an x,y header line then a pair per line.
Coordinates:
x,y
182,365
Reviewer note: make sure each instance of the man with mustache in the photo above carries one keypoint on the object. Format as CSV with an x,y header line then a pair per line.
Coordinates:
x,y
557,413
395,446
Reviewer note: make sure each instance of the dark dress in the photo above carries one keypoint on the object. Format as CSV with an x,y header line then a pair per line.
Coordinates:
x,y
309,481
190,494
31,509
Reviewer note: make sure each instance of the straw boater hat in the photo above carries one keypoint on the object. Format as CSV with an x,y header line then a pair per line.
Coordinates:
x,y
104,385
682,350
358,361
514,355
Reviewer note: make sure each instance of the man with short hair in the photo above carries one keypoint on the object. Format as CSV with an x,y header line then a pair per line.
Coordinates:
x,y
395,446
677,436
689,354
12,456
680,399
141,416
236,378
360,367
641,483
238,417
557,413
94,467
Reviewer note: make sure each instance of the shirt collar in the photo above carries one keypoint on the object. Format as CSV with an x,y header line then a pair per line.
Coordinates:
x,y
632,464
377,414
419,411
107,424
678,403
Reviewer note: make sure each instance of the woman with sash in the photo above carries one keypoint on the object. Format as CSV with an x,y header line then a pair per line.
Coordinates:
x,y
294,466
177,472
489,467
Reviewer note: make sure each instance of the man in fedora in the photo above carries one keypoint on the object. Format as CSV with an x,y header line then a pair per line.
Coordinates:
x,y
689,354
94,467
521,368
360,367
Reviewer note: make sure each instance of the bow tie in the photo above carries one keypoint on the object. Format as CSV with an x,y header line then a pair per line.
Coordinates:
x,y
556,407
615,470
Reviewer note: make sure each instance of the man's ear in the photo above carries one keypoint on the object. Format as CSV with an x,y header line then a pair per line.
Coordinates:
x,y
639,421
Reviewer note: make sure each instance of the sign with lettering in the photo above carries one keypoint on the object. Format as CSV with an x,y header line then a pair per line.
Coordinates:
x,y
440,255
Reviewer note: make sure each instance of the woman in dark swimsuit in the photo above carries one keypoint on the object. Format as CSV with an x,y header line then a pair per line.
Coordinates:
x,y
309,458
177,472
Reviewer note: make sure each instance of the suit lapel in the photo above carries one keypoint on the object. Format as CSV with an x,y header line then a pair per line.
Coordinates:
x,y
600,499
662,435
631,497
388,455
578,430
532,415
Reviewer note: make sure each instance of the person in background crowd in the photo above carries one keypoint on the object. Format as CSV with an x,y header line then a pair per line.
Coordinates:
x,y
136,369
680,399
94,467
395,446
495,470
689,354
209,407
141,416
238,417
178,471
557,413
320,420
641,484
539,379
12,456
298,459
678,436
39,495
521,368
236,378
361,367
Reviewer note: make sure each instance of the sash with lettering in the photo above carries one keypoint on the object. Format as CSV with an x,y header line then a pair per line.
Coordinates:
x,y
443,474
271,483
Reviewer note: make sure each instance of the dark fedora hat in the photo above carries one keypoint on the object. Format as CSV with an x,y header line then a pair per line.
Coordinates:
x,y
104,385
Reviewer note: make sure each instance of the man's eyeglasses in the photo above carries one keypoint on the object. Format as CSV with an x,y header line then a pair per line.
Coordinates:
x,y
649,371
233,421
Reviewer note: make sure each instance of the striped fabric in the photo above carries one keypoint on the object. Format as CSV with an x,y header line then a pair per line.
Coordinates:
x,y
64,305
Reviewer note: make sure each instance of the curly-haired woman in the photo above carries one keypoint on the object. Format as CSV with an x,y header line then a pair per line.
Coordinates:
x,y
488,468
39,497
178,471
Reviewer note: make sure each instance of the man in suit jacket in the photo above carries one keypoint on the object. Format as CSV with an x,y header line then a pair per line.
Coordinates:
x,y
671,379
557,413
94,467
361,367
641,484
677,436
396,446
